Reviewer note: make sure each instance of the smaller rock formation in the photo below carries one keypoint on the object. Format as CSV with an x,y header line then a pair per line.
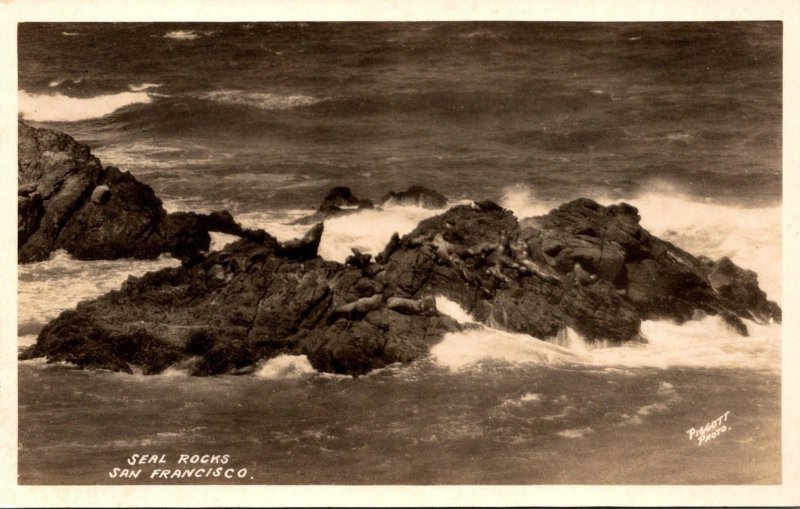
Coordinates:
x,y
67,200
340,201
416,195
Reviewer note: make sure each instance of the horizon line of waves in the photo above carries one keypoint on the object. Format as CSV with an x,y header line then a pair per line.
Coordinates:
x,y
261,100
704,343
61,108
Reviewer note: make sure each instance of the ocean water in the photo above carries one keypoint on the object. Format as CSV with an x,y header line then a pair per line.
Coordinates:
x,y
681,120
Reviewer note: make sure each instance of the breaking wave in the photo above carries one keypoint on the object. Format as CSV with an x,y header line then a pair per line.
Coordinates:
x,y
369,230
705,343
285,366
61,108
47,288
751,237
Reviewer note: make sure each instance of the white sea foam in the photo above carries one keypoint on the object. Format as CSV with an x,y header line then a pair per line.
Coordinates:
x,y
61,108
263,100
184,35
575,433
751,237
219,240
25,340
285,366
525,399
143,86
56,83
369,230
277,223
522,201
460,350
453,310
49,287
700,343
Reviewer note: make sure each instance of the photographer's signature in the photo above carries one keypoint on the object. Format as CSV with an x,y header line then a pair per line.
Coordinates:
x,y
711,430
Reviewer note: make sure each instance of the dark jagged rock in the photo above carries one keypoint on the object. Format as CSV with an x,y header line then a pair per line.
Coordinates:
x,y
67,200
340,201
417,195
358,259
584,266
740,287
341,197
75,337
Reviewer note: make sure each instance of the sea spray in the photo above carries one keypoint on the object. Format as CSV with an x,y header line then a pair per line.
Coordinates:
x,y
47,288
459,350
707,342
285,366
751,237
219,240
369,230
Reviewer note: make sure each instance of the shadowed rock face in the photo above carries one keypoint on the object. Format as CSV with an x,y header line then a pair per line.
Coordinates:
x,y
340,201
417,195
584,266
67,200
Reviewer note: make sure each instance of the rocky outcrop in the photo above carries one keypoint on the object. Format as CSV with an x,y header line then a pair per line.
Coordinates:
x,y
340,201
416,195
584,266
340,198
67,200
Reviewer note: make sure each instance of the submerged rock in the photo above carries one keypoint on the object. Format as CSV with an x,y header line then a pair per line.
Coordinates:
x,y
67,200
584,266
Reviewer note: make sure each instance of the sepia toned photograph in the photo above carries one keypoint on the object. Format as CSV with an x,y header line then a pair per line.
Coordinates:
x,y
427,253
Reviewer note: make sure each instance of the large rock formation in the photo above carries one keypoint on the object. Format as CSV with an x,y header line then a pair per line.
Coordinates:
x,y
584,266
67,200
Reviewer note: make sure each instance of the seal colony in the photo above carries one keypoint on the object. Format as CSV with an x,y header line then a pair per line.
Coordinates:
x,y
583,265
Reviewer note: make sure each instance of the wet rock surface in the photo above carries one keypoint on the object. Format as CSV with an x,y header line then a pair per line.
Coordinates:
x,y
584,266
67,200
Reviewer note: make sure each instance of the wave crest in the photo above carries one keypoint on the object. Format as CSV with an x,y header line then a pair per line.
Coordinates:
x,y
61,108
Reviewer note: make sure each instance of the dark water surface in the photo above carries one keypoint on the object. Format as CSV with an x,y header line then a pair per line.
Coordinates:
x,y
683,120
421,425
277,113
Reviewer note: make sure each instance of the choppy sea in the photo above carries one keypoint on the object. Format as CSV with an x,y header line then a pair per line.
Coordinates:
x,y
682,120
